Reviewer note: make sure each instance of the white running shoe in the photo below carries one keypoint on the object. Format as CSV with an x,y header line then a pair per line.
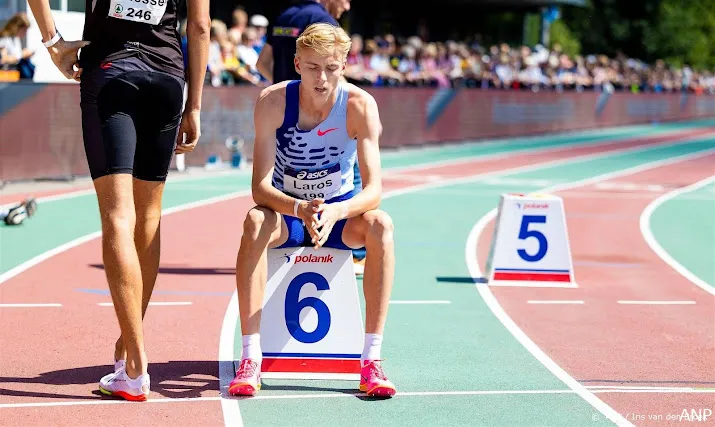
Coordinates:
x,y
119,384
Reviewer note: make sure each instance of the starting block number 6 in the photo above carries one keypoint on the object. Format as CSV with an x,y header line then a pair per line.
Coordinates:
x,y
294,305
311,321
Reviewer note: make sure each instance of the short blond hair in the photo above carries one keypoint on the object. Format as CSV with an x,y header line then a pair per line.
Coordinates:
x,y
325,39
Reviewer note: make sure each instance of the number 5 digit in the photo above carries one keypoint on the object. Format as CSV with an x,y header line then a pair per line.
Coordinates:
x,y
525,233
294,305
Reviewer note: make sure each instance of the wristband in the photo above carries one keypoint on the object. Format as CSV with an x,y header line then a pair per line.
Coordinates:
x,y
295,208
51,42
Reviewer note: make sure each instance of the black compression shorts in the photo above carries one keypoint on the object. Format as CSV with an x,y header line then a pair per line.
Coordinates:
x,y
130,118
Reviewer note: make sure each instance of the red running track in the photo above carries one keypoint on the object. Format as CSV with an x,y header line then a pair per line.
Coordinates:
x,y
603,343
59,354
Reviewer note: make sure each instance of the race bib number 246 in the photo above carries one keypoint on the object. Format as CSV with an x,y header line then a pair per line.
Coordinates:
x,y
146,11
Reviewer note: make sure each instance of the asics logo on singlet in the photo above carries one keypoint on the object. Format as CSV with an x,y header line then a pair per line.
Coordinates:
x,y
311,175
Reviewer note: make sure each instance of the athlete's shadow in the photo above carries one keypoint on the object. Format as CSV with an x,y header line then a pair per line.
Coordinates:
x,y
193,271
266,385
352,391
176,379
465,280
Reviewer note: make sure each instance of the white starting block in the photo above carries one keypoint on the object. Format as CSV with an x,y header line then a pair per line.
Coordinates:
x,y
311,325
530,244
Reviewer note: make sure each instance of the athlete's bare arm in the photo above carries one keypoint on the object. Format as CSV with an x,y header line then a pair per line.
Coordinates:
x,y
364,124
268,117
198,27
64,54
265,62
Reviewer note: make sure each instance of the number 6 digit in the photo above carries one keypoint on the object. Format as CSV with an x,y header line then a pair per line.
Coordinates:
x,y
525,233
294,305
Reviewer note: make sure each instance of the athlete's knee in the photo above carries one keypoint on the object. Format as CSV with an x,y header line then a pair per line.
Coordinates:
x,y
119,222
257,222
380,226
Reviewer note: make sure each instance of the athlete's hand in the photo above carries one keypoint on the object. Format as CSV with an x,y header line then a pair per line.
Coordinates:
x,y
329,215
189,132
307,211
65,55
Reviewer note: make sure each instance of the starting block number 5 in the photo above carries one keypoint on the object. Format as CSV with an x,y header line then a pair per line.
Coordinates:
x,y
311,322
530,245
525,233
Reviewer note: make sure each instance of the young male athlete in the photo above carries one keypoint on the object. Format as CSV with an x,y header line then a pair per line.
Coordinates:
x,y
309,134
132,80
278,53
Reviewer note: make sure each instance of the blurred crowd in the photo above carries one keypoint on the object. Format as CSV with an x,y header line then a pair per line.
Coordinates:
x,y
387,60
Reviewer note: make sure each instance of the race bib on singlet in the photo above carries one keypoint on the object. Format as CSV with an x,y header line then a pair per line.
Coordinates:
x,y
146,11
308,185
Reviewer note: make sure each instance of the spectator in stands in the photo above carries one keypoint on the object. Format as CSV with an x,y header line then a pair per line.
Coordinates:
x,y
246,52
260,23
394,60
357,69
13,54
217,73
240,21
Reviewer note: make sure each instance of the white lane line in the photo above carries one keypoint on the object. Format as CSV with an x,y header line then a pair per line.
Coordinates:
x,y
632,387
574,160
655,390
596,142
656,302
86,191
555,302
29,305
154,303
532,140
226,367
86,238
493,304
336,395
420,302
650,239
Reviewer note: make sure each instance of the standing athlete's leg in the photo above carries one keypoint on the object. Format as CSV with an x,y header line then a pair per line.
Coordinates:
x,y
108,104
147,240
157,129
110,150
374,230
121,264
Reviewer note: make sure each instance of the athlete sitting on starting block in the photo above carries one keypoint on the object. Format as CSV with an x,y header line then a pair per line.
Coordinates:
x,y
309,134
